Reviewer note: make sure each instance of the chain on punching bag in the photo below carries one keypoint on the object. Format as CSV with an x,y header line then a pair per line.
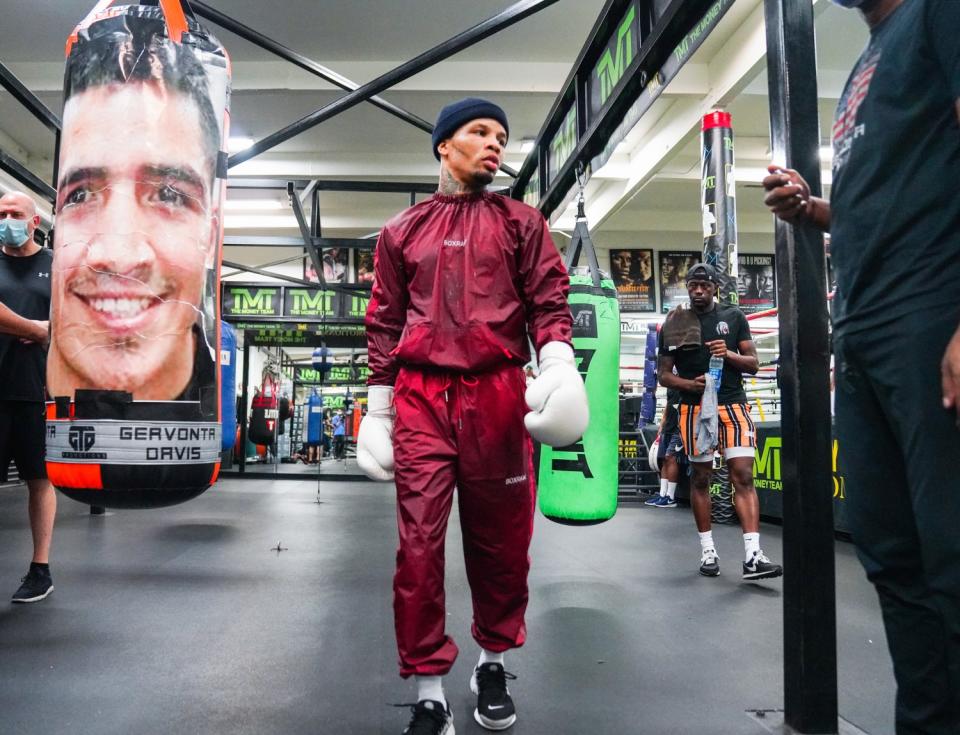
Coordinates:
x,y
135,339
578,484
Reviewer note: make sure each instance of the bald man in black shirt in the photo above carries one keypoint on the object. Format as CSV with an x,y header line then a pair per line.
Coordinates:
x,y
25,300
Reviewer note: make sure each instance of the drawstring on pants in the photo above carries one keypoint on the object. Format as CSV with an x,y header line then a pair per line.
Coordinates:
x,y
464,379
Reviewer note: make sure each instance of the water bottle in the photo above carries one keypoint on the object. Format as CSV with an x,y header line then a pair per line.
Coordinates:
x,y
716,370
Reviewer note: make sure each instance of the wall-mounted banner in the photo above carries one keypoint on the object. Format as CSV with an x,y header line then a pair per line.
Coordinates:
x,y
251,301
337,375
757,283
531,195
632,272
674,265
614,70
294,335
563,144
620,51
290,303
768,480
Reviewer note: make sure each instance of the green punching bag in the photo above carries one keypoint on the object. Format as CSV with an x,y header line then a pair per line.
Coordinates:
x,y
577,484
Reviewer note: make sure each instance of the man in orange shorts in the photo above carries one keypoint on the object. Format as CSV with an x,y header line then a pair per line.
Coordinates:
x,y
724,332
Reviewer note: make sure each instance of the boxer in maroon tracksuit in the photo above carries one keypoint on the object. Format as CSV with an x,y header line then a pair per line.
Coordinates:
x,y
462,280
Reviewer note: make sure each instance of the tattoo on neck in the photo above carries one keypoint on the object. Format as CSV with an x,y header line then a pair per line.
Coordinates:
x,y
450,186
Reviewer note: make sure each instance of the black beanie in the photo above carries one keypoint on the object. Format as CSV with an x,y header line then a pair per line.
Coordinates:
x,y
456,114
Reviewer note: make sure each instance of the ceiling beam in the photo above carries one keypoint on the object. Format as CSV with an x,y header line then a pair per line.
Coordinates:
x,y
737,60
515,13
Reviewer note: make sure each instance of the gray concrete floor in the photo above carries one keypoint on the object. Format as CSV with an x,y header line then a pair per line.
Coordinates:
x,y
183,620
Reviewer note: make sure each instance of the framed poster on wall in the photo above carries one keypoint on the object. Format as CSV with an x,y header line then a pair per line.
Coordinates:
x,y
756,284
632,272
674,265
363,266
335,266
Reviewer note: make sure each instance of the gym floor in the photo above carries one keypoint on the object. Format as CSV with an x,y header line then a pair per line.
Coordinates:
x,y
187,620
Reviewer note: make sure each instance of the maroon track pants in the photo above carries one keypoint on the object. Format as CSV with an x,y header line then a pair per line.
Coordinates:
x,y
464,432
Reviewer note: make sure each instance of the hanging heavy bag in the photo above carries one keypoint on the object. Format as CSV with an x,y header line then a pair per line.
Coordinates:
x,y
314,418
132,365
263,413
577,484
228,385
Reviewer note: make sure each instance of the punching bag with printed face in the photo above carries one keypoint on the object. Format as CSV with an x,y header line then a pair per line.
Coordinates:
x,y
132,370
577,484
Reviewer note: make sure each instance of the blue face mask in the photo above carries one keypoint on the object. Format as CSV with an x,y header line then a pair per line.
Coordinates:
x,y
13,232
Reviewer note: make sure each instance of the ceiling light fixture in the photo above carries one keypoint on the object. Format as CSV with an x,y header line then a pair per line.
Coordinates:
x,y
526,145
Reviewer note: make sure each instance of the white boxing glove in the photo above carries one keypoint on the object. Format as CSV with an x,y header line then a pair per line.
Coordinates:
x,y
375,438
557,399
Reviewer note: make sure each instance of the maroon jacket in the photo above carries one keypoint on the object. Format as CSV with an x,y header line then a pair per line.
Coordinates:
x,y
459,282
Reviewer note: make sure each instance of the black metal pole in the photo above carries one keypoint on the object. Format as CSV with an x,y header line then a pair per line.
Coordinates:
x,y
56,164
301,61
26,177
498,22
809,594
9,81
306,234
308,64
243,405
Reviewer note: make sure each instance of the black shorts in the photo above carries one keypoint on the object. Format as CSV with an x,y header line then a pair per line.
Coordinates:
x,y
23,431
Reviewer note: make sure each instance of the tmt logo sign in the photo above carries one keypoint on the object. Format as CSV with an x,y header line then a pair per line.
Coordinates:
x,y
617,57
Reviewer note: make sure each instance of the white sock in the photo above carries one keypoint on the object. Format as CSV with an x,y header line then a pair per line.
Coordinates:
x,y
663,487
671,490
706,541
430,687
751,544
490,657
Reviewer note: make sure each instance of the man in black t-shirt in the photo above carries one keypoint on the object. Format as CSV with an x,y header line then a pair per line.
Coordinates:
x,y
724,333
25,296
894,220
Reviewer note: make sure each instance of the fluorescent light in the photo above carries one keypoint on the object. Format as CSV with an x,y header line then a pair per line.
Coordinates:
x,y
826,153
259,222
253,205
239,143
526,145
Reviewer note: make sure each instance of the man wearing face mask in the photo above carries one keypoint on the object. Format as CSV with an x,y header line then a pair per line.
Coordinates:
x,y
894,222
25,298
464,281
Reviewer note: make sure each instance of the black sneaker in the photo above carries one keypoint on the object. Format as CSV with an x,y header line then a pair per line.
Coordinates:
x,y
36,586
709,563
429,718
495,710
760,567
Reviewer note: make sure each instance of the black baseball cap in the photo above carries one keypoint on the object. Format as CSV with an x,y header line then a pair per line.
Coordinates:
x,y
702,272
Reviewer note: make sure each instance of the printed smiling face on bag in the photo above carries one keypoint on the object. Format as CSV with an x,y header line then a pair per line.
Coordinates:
x,y
138,223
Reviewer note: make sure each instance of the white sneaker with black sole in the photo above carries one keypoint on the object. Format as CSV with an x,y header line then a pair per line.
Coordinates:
x,y
495,710
709,563
760,567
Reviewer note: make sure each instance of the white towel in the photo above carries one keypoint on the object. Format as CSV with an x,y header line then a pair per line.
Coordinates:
x,y
706,430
